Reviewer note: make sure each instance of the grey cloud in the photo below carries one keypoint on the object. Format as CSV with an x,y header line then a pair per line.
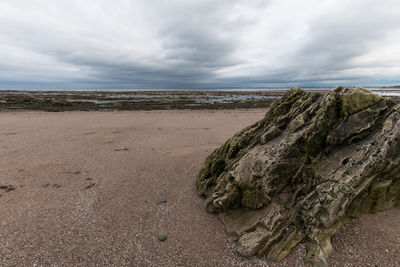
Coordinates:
x,y
196,44
337,39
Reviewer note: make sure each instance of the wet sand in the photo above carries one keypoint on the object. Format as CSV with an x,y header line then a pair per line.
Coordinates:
x,y
99,188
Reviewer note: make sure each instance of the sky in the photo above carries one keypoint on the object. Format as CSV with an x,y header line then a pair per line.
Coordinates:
x,y
198,43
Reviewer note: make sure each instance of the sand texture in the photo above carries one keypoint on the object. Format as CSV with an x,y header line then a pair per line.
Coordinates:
x,y
107,188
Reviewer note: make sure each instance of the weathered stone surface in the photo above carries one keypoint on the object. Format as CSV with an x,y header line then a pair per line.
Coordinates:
x,y
299,173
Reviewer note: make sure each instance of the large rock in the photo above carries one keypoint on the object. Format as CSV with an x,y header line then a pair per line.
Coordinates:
x,y
314,161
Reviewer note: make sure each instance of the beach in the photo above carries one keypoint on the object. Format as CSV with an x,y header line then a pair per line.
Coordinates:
x,y
99,188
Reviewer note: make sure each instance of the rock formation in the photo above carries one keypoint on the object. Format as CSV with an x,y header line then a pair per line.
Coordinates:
x,y
314,161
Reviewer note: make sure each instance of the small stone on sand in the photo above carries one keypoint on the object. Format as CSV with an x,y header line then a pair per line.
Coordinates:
x,y
162,238
121,149
90,185
161,200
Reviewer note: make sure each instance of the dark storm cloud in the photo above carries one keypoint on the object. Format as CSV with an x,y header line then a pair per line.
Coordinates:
x,y
197,44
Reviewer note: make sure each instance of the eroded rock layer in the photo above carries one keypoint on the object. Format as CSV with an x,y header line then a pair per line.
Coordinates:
x,y
311,163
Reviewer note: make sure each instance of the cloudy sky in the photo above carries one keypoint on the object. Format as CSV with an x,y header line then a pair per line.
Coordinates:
x,y
198,43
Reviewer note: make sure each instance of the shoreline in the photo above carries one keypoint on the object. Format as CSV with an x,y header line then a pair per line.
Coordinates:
x,y
138,100
56,101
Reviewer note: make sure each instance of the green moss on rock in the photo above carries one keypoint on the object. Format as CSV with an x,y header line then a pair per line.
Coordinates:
x,y
314,161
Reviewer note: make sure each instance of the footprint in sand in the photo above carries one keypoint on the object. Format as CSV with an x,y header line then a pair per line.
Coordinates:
x,y
75,172
108,142
121,149
7,188
90,133
90,185
10,133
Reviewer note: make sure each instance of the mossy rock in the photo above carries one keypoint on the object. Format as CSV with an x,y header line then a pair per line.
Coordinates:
x,y
314,161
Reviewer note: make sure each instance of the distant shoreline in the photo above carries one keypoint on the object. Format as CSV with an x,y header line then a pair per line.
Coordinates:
x,y
134,100
222,89
392,87
68,100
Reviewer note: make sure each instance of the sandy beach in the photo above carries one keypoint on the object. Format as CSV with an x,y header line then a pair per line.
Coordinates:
x,y
99,188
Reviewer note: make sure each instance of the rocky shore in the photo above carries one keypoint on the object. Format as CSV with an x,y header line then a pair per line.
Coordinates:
x,y
135,100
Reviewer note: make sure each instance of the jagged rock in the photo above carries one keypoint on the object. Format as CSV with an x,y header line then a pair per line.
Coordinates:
x,y
314,161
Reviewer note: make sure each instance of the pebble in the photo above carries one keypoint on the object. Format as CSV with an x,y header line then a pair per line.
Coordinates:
x,y
162,238
161,200
121,149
